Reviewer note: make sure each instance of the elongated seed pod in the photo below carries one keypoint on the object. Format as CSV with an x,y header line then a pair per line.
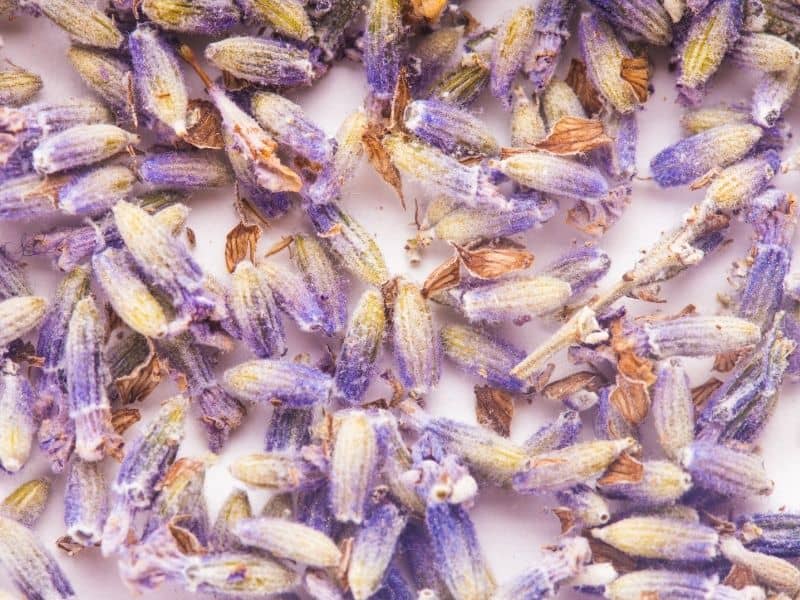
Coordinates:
x,y
18,86
560,469
726,471
29,565
85,503
255,312
108,77
661,538
417,348
158,80
356,249
293,296
80,146
293,384
285,539
280,471
184,170
382,45
673,409
26,503
19,315
373,549
288,17
353,465
776,573
263,61
199,17
514,298
355,364
84,24
18,426
87,380
553,174
449,128
323,280
511,45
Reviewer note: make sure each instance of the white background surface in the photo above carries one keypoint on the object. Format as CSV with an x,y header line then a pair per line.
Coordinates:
x,y
511,528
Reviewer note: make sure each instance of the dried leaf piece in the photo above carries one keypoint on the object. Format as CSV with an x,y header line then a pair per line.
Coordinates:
x,y
495,259
445,276
401,98
494,409
141,381
632,399
625,469
702,392
583,88
574,135
204,126
382,163
430,10
123,418
240,243
636,71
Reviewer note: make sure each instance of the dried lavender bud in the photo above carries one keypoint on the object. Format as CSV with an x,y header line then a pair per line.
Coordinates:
x,y
254,313
765,52
108,77
184,170
80,146
290,126
553,174
293,541
650,483
203,17
18,86
26,503
19,315
279,471
433,54
383,37
95,192
85,503
235,508
513,298
512,43
771,533
619,158
356,249
416,347
773,95
288,429
449,128
463,84
286,17
355,364
561,469
146,461
581,506
331,27
25,198
323,279
293,384
18,426
85,24
720,469
294,297
694,156
29,565
160,88
701,119
646,19
262,61
482,355
353,465
710,35
673,409
632,585
181,496
560,100
661,538
776,573
738,184
373,548
527,126
581,268
559,433
550,33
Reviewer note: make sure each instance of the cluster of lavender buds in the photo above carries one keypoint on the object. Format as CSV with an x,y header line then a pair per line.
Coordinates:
x,y
370,491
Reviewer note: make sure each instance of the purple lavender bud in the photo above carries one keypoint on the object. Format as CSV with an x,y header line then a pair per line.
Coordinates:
x,y
660,483
449,128
431,56
13,281
288,429
263,61
542,581
235,508
737,185
711,34
26,503
482,355
395,586
688,159
201,17
581,506
513,298
286,17
95,192
673,409
254,313
181,496
550,33
661,538
314,509
619,158
108,77
417,349
281,471
18,425
80,146
580,268
512,43
726,471
415,547
773,95
603,54
293,541
26,198
383,38
353,465
85,24
764,52
559,433
644,19
355,364
668,583
85,503
322,279
774,573
160,88
553,174
87,380
777,534
609,422
29,565
290,126
294,297
295,385
184,170
373,549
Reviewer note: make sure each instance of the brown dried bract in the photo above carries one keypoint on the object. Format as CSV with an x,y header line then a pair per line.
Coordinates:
x,y
186,541
631,399
727,361
574,135
566,518
138,384
702,392
631,365
494,259
583,88
400,100
445,276
602,552
69,546
430,10
124,418
625,469
204,126
636,71
382,163
576,382
494,409
739,577
240,243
